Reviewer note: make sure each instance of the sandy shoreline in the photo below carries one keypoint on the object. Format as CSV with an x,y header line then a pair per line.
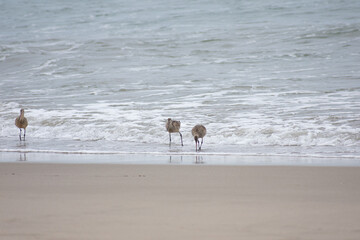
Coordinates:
x,y
94,201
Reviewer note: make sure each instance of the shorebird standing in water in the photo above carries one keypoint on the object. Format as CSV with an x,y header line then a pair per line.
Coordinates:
x,y
172,127
199,131
21,122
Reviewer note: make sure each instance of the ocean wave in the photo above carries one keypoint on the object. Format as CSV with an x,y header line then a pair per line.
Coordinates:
x,y
333,31
97,122
254,74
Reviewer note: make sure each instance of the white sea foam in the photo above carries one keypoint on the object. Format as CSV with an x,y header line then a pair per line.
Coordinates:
x,y
100,121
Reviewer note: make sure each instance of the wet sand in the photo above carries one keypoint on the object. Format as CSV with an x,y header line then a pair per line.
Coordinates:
x,y
104,201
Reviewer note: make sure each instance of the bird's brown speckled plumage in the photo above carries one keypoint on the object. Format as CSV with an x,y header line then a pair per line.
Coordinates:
x,y
21,122
173,126
199,131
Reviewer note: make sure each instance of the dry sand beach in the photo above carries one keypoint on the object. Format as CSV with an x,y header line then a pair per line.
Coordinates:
x,y
104,201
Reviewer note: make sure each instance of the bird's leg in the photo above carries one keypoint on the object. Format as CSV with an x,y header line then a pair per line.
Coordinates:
x,y
24,133
196,142
202,141
170,138
20,134
181,139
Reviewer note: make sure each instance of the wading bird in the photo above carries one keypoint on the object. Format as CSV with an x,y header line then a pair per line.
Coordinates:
x,y
172,127
199,131
21,122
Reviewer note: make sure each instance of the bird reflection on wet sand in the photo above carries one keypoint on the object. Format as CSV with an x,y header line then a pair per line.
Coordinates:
x,y
22,157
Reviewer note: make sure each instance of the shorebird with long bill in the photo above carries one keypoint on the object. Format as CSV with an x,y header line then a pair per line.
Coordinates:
x,y
199,131
21,122
173,126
